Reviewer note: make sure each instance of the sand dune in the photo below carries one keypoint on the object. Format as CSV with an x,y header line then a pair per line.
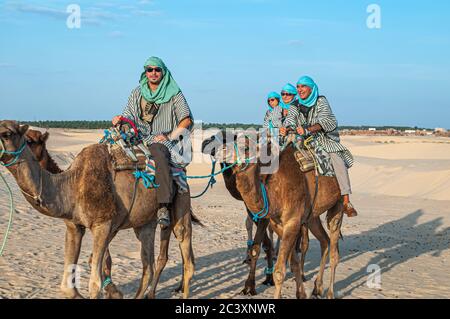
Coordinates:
x,y
401,189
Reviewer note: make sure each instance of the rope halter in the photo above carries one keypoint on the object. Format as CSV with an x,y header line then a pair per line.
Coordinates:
x,y
16,154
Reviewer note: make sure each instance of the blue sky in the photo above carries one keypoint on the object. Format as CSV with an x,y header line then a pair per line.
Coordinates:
x,y
226,56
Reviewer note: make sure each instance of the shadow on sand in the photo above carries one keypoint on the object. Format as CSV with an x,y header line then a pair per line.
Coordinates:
x,y
393,243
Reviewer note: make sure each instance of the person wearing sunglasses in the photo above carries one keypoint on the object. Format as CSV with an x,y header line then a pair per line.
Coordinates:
x,y
289,98
273,100
163,118
314,116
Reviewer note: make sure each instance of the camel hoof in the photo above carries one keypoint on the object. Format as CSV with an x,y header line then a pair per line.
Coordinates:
x,y
150,296
249,291
301,295
179,289
330,296
111,292
269,281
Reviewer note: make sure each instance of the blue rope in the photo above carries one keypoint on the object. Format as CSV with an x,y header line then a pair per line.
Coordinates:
x,y
268,271
211,181
263,212
107,282
15,153
147,180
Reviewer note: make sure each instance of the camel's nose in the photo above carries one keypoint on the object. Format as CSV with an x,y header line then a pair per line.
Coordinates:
x,y
207,148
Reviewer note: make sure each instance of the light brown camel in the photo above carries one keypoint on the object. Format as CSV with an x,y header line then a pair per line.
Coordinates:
x,y
91,195
36,141
290,196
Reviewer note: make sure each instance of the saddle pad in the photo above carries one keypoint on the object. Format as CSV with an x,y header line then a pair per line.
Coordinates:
x,y
121,161
304,160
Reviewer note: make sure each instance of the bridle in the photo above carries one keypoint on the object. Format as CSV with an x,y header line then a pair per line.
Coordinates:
x,y
16,154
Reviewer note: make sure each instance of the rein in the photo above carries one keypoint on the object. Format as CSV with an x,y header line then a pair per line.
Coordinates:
x,y
265,210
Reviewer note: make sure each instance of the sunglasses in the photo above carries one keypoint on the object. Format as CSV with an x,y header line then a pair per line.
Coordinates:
x,y
150,70
286,94
272,100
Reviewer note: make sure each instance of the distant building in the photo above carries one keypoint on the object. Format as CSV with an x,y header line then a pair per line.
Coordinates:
x,y
440,130
410,131
372,129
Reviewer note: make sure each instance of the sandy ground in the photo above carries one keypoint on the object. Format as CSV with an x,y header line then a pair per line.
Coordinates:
x,y
401,189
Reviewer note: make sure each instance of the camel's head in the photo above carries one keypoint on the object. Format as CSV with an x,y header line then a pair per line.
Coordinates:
x,y
232,148
12,140
36,141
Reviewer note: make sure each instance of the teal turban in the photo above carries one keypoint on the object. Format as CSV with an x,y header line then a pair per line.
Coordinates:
x,y
312,98
288,88
167,89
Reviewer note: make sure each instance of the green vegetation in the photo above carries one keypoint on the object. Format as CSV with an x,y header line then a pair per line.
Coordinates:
x,y
107,124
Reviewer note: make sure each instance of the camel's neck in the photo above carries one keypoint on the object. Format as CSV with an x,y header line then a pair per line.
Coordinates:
x,y
49,164
49,194
249,186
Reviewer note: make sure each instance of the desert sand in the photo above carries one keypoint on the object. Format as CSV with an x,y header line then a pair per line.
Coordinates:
x,y
401,189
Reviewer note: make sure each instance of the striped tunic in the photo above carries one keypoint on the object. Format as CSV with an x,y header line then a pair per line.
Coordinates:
x,y
167,119
276,119
329,138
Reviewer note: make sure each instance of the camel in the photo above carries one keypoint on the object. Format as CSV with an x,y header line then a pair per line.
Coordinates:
x,y
288,210
36,141
91,195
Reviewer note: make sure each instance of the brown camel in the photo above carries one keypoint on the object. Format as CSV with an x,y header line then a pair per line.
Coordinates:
x,y
36,141
91,195
290,196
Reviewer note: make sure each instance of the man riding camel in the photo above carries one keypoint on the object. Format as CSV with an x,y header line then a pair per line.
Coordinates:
x,y
163,117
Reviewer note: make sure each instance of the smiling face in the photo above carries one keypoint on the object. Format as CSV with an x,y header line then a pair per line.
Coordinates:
x,y
304,91
154,74
273,102
287,97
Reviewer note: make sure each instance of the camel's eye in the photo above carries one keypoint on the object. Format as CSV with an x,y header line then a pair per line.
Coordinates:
x,y
7,134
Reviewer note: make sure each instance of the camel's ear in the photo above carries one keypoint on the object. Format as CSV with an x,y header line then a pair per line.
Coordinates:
x,y
23,129
44,137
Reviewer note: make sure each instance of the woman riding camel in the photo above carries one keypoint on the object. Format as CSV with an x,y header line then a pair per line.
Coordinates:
x,y
313,116
273,100
280,112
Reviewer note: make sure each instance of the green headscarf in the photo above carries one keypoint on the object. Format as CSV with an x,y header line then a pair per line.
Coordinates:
x,y
167,89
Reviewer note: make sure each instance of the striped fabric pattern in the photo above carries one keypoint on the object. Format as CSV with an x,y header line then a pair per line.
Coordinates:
x,y
167,119
267,117
322,114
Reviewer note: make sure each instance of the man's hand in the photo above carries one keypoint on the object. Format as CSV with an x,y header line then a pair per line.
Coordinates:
x,y
283,131
300,131
160,138
116,120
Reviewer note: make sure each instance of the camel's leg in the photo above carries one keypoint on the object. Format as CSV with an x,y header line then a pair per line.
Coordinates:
x,y
249,226
319,232
268,247
162,260
146,235
183,233
101,234
296,268
304,245
74,236
111,290
290,233
335,232
249,288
